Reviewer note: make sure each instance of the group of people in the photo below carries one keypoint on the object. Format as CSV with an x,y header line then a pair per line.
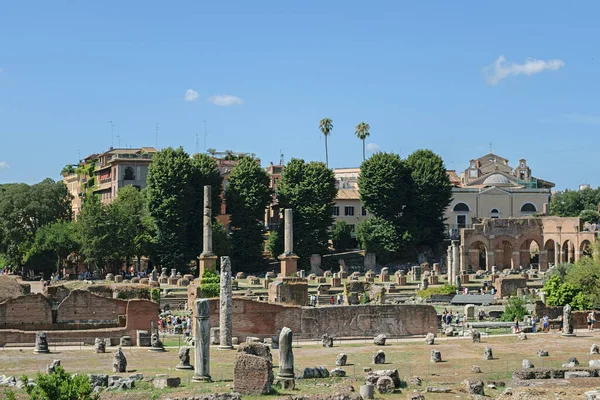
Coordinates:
x,y
313,300
166,324
448,317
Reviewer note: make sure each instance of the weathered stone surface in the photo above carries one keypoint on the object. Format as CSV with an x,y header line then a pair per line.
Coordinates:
x,y
337,373
430,338
326,340
542,353
527,364
577,374
595,349
438,389
215,335
225,303
379,340
414,381
385,384
522,336
52,367
125,341
202,340
341,359
594,363
567,321
367,391
436,356
256,349
592,395
487,353
415,396
119,361
41,343
162,382
550,373
100,380
155,343
475,336
571,362
252,375
474,387
476,369
379,357
308,373
184,359
372,377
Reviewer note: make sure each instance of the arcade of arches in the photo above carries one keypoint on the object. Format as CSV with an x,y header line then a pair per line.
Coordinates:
x,y
515,242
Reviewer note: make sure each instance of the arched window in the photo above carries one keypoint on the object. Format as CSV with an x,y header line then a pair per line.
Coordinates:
x,y
528,207
129,174
494,211
461,207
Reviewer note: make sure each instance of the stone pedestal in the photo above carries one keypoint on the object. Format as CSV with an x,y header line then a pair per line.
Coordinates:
x,y
208,262
369,279
433,280
343,275
401,280
289,265
266,282
464,278
336,282
384,278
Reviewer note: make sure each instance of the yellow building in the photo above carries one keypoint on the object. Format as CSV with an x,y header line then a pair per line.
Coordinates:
x,y
490,188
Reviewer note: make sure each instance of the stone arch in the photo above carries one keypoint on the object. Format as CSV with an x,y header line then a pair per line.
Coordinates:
x,y
478,256
504,249
568,252
461,207
550,249
585,248
529,252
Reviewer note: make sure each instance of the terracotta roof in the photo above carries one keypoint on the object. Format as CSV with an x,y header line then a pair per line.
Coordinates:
x,y
454,179
348,194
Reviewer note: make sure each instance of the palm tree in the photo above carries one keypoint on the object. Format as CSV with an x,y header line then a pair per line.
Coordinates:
x,y
362,132
326,126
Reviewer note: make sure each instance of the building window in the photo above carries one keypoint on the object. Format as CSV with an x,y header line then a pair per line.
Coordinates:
x,y
363,211
494,213
461,221
349,211
336,211
461,207
129,174
528,208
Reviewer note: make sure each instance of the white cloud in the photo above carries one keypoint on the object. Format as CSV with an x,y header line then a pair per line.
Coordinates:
x,y
372,147
191,95
4,164
582,119
500,69
1,70
225,100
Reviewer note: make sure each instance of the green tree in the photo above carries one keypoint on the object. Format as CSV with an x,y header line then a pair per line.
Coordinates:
x,y
24,210
434,194
221,241
341,235
514,308
566,204
326,126
309,190
57,240
362,132
387,190
98,227
591,216
378,235
247,196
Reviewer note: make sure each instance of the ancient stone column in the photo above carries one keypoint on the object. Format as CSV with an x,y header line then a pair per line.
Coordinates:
x,y
225,323
207,258
202,341
289,261
455,259
449,264
286,358
567,321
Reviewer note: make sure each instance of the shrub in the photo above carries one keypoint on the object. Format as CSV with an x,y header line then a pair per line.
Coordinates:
x,y
60,386
210,290
155,295
209,277
445,289
514,308
341,235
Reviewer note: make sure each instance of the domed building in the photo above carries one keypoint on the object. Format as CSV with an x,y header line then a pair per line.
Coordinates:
x,y
490,188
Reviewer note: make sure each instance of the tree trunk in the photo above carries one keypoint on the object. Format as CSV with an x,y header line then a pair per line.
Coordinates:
x,y
326,154
363,149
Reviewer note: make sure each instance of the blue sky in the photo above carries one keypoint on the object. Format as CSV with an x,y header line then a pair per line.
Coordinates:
x,y
262,74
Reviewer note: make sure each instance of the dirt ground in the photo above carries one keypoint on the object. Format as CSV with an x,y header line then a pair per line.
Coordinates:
x,y
410,356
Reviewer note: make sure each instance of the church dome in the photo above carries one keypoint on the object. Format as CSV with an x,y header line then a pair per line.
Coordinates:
x,y
496,179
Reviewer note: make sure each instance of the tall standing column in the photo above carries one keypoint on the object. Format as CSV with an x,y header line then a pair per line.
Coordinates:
x,y
289,261
455,259
286,359
202,341
207,258
449,264
225,323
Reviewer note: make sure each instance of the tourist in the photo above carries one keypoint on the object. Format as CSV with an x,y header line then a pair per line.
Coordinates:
x,y
590,321
516,321
533,323
332,301
545,323
560,322
464,320
457,318
593,319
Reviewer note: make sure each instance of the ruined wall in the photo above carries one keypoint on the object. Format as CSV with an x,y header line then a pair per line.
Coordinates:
x,y
26,312
253,318
508,285
83,306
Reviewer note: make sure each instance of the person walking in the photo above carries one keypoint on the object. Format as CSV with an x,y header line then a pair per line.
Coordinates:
x,y
516,321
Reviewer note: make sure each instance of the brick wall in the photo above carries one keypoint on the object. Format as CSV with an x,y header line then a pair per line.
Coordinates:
x,y
83,306
253,318
508,285
26,312
140,313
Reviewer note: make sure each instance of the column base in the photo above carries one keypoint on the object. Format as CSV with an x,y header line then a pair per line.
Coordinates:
x,y
199,378
184,367
208,262
289,265
225,348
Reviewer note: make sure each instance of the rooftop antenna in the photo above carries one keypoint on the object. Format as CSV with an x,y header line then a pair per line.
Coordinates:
x,y
78,156
280,157
205,135
491,147
197,151
112,140
156,134
119,140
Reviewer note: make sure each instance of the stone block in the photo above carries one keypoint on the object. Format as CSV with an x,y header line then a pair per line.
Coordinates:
x,y
215,337
252,375
172,281
372,376
143,338
118,279
162,382
125,341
